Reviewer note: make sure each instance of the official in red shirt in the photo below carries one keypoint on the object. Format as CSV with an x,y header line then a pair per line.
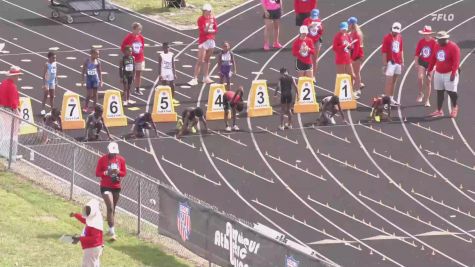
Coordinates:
x,y
302,10
393,60
424,51
136,41
357,53
341,49
91,238
303,50
208,27
111,169
233,100
315,32
446,60
9,97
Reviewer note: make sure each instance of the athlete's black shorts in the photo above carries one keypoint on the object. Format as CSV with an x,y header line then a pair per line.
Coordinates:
x,y
286,99
300,66
300,17
423,63
127,80
274,14
226,104
112,190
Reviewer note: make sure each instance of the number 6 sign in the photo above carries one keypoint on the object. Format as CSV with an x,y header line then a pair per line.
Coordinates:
x,y
307,100
344,91
71,112
113,111
163,110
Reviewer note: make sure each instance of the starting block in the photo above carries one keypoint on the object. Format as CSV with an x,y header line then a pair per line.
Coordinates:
x,y
71,115
113,110
26,112
163,109
259,104
307,98
344,91
215,110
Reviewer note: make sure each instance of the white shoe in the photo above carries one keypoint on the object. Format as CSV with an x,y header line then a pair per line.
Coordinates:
x,y
289,126
43,112
125,103
281,128
427,104
332,121
235,128
228,129
193,82
207,80
357,94
131,102
420,96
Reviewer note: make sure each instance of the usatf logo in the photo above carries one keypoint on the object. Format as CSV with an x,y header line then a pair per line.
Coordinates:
x,y
441,55
183,220
290,261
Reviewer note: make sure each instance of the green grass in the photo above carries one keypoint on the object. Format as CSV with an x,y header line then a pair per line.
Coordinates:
x,y
32,220
184,16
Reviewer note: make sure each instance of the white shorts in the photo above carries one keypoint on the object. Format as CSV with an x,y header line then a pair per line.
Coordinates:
x,y
393,69
442,82
208,44
140,66
168,76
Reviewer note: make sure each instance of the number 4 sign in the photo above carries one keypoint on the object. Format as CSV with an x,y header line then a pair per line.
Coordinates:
x,y
258,104
71,112
344,91
215,110
113,111
26,112
307,100
163,110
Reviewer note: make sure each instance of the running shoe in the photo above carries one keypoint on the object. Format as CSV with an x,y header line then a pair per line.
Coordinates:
x,y
362,85
437,114
125,103
235,128
131,102
289,126
138,92
193,130
357,94
454,112
332,120
427,104
228,129
43,112
179,124
193,82
207,80
176,102
266,46
420,96
277,45
281,127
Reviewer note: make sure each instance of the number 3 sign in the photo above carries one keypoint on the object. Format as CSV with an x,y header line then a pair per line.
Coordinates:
x,y
344,91
163,110
259,104
307,99
114,113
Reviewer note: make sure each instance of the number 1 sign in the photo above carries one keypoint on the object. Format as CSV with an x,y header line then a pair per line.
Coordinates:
x,y
307,98
344,91
71,112
163,110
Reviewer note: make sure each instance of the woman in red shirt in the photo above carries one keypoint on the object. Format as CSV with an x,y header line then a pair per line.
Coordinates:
x,y
302,10
303,50
341,48
207,27
424,50
315,30
357,53
136,41
111,168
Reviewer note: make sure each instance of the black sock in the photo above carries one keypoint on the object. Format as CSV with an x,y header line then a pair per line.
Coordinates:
x,y
453,98
440,99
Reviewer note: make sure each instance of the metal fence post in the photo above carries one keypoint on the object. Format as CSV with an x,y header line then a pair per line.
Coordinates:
x,y
139,201
73,176
11,143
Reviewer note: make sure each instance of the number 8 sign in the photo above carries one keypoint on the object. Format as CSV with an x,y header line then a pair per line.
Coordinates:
x,y
27,115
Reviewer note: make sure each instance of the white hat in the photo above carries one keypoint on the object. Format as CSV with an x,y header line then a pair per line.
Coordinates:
x,y
14,71
442,35
303,29
113,148
396,27
94,219
426,30
207,7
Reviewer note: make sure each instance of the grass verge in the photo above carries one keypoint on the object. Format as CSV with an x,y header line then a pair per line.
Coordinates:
x,y
33,219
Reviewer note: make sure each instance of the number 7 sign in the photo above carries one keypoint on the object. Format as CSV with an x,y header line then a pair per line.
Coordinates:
x,y
344,91
71,112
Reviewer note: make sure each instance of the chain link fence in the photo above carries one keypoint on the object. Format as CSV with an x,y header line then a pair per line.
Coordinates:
x,y
191,224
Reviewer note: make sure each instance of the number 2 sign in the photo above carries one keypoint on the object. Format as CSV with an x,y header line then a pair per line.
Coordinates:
x,y
307,99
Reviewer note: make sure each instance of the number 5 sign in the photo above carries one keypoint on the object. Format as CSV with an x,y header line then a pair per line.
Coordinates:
x,y
26,112
307,99
258,104
163,110
113,111
344,91
71,112
215,110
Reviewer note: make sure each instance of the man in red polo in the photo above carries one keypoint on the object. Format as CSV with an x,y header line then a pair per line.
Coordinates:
x,y
303,9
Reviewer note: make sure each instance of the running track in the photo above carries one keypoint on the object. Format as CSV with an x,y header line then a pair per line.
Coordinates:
x,y
398,194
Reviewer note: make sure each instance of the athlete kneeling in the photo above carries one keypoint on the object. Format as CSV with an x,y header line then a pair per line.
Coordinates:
x,y
189,120
142,122
330,106
94,125
380,104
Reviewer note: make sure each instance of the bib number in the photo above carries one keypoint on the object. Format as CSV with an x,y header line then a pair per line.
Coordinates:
x,y
92,72
129,67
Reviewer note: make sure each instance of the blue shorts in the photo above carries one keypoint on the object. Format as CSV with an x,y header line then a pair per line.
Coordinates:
x,y
92,84
50,85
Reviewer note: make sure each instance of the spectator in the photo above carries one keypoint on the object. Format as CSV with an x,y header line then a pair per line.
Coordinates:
x,y
272,13
111,169
315,30
424,51
303,50
10,101
393,60
357,53
302,10
208,27
91,238
136,41
341,48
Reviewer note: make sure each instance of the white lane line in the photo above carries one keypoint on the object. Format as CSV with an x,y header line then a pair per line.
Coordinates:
x,y
201,176
225,136
408,214
455,161
441,203
429,129
242,168
286,138
432,175
306,171
349,165
379,130
333,135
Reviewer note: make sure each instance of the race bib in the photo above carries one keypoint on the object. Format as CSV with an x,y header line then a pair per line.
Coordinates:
x,y
210,25
129,67
347,47
396,46
137,47
441,56
53,70
425,52
92,72
167,65
304,50
314,28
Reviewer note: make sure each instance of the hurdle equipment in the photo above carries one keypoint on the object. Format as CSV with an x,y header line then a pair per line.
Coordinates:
x,y
344,91
113,110
71,116
163,109
259,104
307,98
26,112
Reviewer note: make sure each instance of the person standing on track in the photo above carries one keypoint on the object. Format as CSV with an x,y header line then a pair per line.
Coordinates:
x,y
111,168
94,125
10,101
127,72
315,30
92,70
357,53
166,70
50,80
208,27
303,50
285,84
341,48
233,100
424,50
272,13
302,10
446,61
225,63
393,60
135,40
